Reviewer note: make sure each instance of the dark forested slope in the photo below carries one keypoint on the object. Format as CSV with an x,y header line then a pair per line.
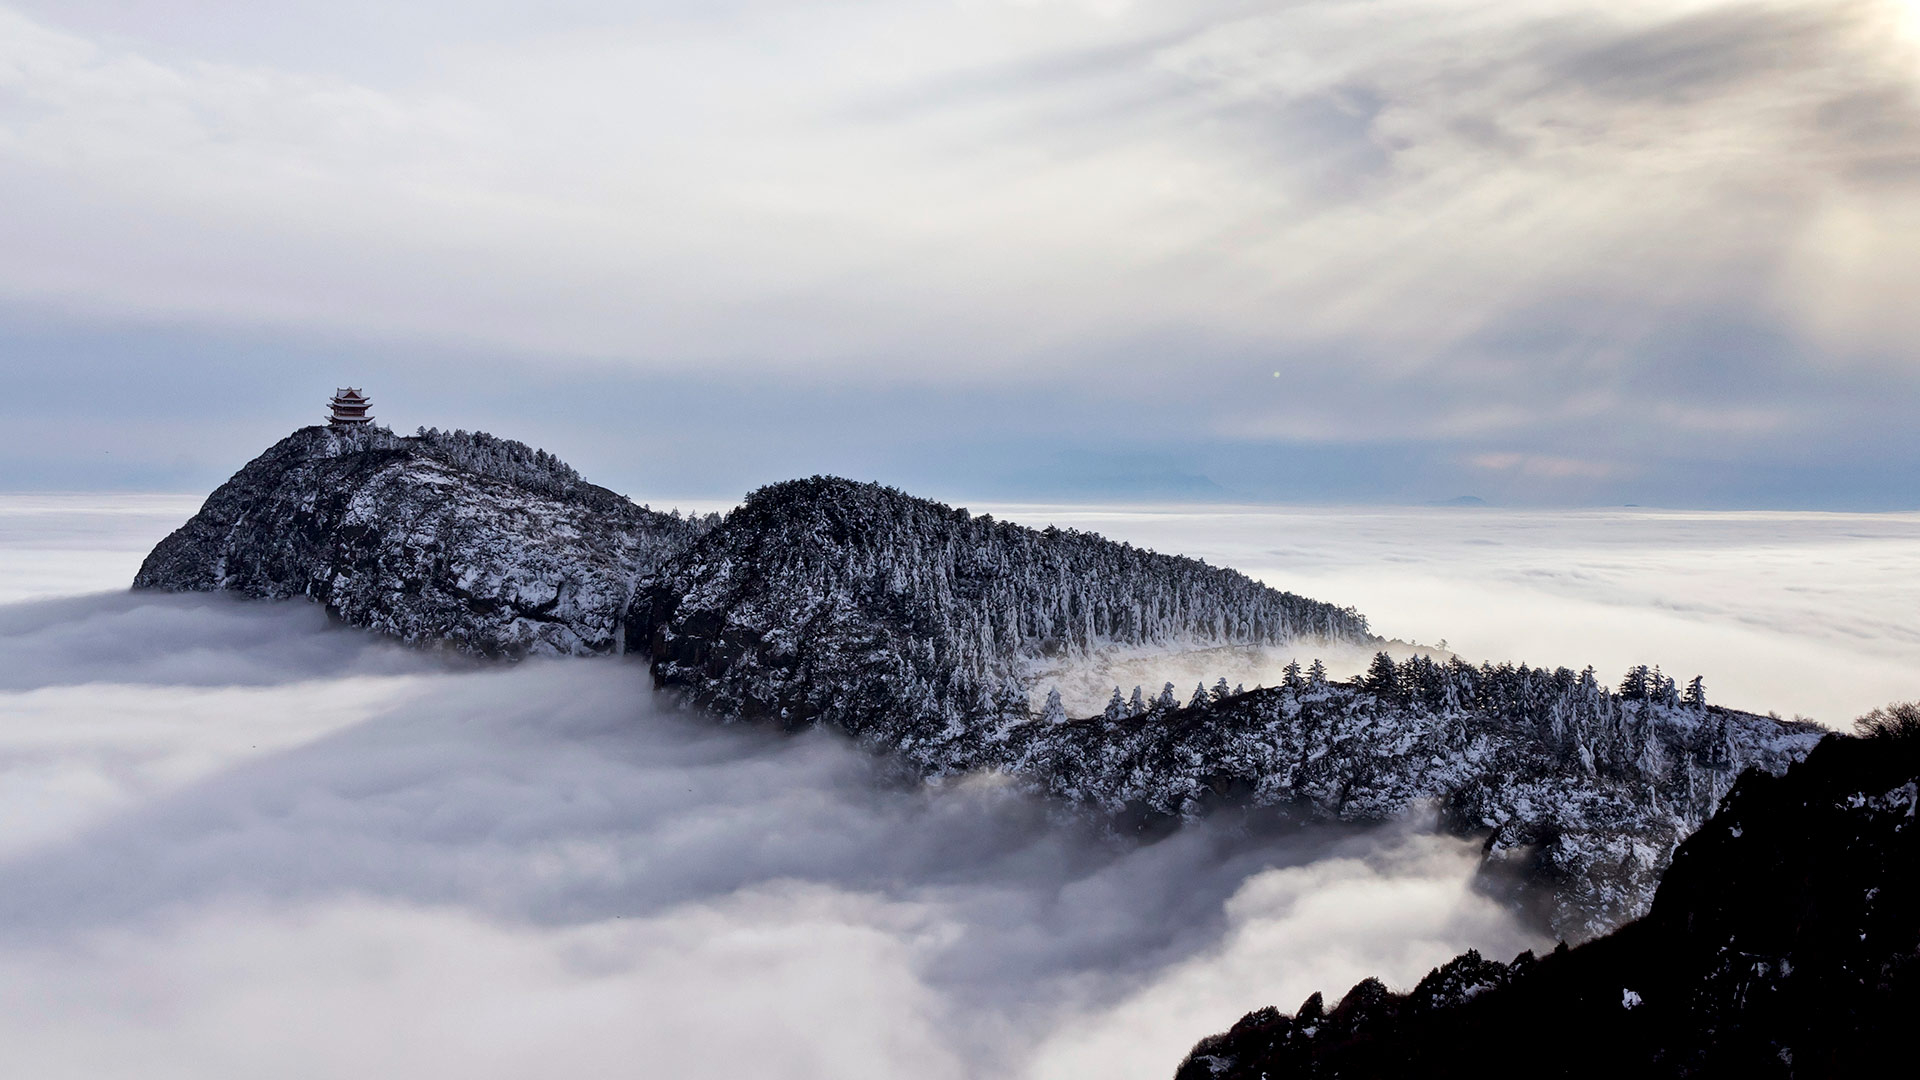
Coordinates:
x,y
1783,942
913,625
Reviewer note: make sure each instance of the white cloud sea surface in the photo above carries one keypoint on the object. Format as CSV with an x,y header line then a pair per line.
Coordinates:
x,y
240,841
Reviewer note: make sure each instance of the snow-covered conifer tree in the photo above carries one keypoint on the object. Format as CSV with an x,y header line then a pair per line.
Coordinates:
x,y
1635,686
1382,677
1696,693
1053,712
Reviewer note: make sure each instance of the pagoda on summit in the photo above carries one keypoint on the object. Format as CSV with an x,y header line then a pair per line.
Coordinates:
x,y
349,408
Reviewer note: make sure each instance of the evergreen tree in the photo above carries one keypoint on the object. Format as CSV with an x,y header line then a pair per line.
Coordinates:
x,y
1317,676
1116,706
1290,678
1054,712
1013,705
1221,691
1660,689
1199,696
1635,686
1382,678
1166,702
1696,693
1137,704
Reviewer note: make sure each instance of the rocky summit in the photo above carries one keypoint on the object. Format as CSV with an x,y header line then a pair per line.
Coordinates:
x,y
482,544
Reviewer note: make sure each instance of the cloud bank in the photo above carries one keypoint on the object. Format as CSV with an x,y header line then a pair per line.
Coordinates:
x,y
237,840
378,864
1802,613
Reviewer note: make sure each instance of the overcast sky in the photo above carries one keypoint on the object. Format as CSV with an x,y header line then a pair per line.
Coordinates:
x,y
1378,250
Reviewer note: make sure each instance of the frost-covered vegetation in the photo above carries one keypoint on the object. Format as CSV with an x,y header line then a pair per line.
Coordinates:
x,y
503,459
1589,787
915,625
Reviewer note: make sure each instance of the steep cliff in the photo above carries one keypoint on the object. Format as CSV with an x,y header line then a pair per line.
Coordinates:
x,y
479,543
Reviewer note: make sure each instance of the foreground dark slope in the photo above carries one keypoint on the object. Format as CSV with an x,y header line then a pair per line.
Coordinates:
x,y
1782,942
480,543
913,625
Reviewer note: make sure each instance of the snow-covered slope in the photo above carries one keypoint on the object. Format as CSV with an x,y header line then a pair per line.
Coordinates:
x,y
1581,790
915,626
480,543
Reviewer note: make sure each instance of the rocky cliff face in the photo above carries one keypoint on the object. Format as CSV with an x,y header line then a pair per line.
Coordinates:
x,y
479,543
1784,942
914,626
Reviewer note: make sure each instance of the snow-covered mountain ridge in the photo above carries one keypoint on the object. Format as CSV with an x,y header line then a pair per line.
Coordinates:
x,y
918,629
916,626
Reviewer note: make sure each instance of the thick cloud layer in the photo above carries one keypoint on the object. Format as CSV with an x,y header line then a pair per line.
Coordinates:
x,y
504,872
236,840
1787,612
62,545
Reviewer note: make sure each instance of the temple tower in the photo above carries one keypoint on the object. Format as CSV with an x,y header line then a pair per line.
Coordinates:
x,y
349,408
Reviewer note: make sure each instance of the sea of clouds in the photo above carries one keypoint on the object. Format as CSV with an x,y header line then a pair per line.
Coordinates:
x,y
1792,612
237,840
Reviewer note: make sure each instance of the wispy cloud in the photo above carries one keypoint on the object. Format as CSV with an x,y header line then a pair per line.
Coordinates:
x,y
1541,465
1402,172
1435,220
